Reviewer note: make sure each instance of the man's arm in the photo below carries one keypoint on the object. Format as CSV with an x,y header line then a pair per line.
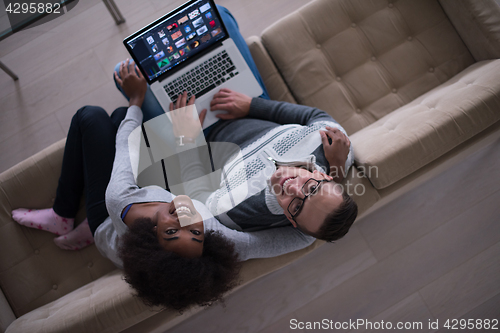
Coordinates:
x,y
336,144
239,105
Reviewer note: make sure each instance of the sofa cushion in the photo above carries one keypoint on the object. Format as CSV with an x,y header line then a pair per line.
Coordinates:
x,y
360,60
421,131
108,304
35,271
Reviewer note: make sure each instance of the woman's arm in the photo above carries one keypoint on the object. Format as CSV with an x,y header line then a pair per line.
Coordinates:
x,y
263,243
128,139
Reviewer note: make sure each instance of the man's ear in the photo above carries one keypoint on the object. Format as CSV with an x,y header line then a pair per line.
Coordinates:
x,y
317,173
155,229
291,221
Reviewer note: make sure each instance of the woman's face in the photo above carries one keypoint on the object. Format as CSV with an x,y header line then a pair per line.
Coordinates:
x,y
179,227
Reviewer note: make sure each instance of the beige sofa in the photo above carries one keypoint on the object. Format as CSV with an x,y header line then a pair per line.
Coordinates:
x,y
415,83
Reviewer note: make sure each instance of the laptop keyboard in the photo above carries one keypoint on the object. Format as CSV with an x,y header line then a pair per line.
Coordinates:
x,y
206,76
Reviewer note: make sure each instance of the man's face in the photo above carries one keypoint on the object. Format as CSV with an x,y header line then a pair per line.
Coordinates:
x,y
287,182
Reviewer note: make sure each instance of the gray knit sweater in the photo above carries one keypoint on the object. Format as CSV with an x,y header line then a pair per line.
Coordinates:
x,y
123,190
274,133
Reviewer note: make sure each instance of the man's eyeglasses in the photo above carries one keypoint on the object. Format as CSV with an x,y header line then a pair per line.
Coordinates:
x,y
310,187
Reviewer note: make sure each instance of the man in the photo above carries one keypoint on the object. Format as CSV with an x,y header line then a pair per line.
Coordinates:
x,y
293,156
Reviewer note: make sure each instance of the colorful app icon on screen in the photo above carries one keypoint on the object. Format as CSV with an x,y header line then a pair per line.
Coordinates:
x,y
180,43
176,35
172,27
215,32
205,38
198,22
182,20
202,30
150,40
195,13
205,7
163,63
159,55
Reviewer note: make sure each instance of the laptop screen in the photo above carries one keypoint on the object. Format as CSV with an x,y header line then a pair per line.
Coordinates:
x,y
176,37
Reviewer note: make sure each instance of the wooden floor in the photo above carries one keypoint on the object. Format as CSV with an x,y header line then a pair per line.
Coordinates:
x,y
432,254
67,63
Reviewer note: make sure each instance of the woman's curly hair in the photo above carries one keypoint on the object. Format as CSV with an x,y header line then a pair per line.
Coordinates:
x,y
165,279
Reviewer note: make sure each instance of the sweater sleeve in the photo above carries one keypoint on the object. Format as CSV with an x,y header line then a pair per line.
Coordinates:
x,y
123,182
286,113
263,243
269,242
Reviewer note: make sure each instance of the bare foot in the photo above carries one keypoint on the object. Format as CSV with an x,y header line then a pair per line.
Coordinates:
x,y
77,239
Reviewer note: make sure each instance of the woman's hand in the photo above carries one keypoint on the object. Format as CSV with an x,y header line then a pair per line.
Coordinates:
x,y
132,81
184,122
236,104
336,152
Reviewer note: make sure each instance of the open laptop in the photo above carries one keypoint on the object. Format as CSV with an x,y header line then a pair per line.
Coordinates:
x,y
190,49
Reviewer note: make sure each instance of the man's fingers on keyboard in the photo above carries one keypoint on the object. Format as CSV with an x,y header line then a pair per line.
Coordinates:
x,y
224,92
218,101
223,107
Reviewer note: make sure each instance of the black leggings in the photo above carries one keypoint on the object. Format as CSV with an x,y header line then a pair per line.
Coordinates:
x,y
87,163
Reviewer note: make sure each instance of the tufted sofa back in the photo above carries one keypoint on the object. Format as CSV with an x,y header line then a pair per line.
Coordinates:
x,y
360,60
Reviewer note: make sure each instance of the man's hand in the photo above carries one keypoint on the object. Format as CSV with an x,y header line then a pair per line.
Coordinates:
x,y
335,152
132,82
182,118
236,104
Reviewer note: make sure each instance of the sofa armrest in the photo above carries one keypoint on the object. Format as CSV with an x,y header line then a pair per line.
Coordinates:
x,y
478,23
104,305
6,314
275,85
416,134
